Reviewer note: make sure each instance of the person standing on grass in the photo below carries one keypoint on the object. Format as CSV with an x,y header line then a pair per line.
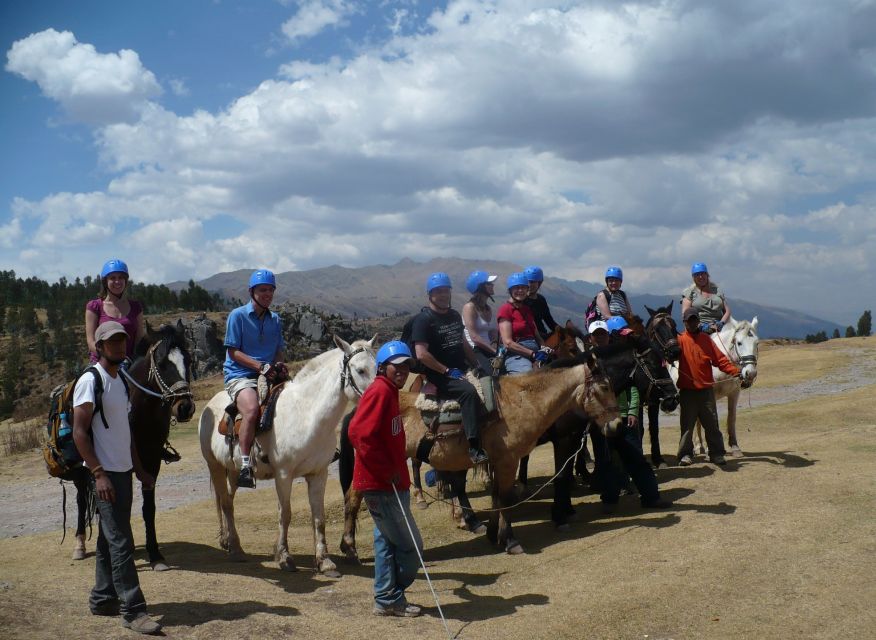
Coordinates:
x,y
381,473
105,444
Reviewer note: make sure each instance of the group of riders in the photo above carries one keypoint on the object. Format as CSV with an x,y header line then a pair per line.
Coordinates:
x,y
444,344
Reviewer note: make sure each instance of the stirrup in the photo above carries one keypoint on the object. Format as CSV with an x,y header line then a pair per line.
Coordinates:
x,y
169,454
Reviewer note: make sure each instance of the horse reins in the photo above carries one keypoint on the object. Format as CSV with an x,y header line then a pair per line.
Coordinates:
x,y
652,380
655,335
179,389
347,375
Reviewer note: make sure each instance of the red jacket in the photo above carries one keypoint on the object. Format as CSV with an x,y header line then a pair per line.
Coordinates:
x,y
698,355
378,436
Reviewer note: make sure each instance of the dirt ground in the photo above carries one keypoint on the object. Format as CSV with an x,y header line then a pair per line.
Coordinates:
x,y
779,544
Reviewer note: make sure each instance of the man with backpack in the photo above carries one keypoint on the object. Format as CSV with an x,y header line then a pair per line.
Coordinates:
x,y
103,437
438,337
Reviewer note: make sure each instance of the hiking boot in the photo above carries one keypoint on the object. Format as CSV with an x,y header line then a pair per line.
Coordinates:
x,y
79,549
720,460
685,461
657,503
478,456
403,610
169,454
246,478
142,624
107,608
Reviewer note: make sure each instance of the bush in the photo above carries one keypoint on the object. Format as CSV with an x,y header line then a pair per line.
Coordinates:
x,y
19,438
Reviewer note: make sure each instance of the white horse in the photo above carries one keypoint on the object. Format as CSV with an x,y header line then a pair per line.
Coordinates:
x,y
301,443
738,341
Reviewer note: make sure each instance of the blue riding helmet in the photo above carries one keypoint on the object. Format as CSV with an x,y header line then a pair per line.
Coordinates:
x,y
614,272
393,352
534,274
476,279
518,279
113,265
616,323
438,279
698,267
262,276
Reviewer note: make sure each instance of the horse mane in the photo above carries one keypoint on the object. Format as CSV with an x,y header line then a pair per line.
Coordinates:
x,y
315,363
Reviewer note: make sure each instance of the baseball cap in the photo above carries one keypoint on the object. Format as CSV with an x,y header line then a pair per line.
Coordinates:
x,y
596,325
107,330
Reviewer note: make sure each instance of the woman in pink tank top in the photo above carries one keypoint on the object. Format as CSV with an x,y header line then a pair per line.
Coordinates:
x,y
112,304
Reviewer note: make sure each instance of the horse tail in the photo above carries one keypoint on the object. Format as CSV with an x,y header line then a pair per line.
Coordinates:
x,y
346,454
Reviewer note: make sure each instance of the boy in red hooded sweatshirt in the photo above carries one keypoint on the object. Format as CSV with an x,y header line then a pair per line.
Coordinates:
x,y
695,381
378,437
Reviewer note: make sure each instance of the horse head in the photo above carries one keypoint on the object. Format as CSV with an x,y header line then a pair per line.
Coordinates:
x,y
165,353
651,376
739,339
358,365
563,340
662,330
595,397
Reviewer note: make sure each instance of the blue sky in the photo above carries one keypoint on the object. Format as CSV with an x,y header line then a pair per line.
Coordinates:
x,y
195,137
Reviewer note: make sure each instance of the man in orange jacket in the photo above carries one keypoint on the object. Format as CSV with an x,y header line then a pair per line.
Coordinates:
x,y
697,399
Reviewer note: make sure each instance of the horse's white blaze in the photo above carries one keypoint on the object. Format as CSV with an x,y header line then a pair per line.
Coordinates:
x,y
176,357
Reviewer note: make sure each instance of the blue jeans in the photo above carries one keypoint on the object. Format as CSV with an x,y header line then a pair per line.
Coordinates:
x,y
395,554
516,364
115,575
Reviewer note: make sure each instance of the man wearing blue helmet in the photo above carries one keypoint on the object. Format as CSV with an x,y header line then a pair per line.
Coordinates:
x,y
544,321
254,345
380,472
612,301
707,299
438,336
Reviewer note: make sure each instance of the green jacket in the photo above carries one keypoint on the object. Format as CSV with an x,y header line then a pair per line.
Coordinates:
x,y
628,402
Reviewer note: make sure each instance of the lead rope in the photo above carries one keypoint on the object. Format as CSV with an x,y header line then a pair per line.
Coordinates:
x,y
420,556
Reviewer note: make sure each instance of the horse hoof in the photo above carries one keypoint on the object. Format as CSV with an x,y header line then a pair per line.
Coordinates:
x,y
422,504
662,465
736,452
515,550
158,565
287,565
479,529
332,573
237,556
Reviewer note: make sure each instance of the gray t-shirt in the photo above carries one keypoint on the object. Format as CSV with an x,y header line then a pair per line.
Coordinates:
x,y
709,304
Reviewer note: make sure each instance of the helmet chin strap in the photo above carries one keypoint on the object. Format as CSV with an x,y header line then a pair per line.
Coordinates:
x,y
257,303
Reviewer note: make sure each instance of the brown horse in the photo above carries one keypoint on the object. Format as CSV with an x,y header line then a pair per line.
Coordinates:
x,y
528,405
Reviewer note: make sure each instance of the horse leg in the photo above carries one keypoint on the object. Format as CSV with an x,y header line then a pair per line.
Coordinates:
x,y
504,480
80,480
418,485
224,492
654,434
316,495
156,559
283,484
732,442
562,509
523,472
493,522
352,502
472,522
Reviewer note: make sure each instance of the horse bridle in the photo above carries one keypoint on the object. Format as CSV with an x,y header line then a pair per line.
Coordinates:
x,y
179,389
653,334
742,360
652,380
347,375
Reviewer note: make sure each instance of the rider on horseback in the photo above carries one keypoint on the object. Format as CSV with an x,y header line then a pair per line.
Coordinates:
x,y
707,298
612,301
518,330
439,341
544,321
254,343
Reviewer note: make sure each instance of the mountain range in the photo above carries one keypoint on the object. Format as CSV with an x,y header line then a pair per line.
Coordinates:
x,y
398,289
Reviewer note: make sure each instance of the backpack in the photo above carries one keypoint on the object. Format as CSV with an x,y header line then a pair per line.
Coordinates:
x,y
406,337
59,452
591,313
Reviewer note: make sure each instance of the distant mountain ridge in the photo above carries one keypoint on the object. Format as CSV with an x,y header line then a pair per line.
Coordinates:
x,y
381,290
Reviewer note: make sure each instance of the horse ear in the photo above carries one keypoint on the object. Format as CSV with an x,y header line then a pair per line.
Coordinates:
x,y
580,344
373,340
341,344
669,308
650,311
148,331
754,324
591,359
180,327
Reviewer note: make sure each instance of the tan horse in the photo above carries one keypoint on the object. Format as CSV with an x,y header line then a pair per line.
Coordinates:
x,y
528,405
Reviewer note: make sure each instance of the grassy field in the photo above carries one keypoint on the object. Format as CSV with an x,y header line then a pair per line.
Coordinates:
x,y
780,544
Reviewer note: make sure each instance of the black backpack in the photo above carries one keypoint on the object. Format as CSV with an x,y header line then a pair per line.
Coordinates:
x,y
407,331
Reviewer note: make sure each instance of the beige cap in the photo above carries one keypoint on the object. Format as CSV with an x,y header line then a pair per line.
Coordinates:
x,y
107,330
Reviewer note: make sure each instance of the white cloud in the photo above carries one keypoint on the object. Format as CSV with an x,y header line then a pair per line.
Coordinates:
x,y
313,16
178,87
96,88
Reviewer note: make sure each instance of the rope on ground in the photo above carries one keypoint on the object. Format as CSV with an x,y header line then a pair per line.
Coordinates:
x,y
527,499
420,556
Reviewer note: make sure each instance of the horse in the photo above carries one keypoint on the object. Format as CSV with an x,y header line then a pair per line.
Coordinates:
x,y
527,405
301,443
739,342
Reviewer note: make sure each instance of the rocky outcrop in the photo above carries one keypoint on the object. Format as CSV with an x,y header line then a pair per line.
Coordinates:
x,y
208,352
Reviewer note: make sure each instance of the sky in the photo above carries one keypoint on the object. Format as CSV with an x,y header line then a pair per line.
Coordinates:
x,y
190,138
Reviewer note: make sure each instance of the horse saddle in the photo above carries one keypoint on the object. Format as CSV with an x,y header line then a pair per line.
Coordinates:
x,y
268,395
444,415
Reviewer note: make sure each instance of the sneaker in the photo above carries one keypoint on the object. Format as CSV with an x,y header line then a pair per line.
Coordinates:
x,y
478,456
685,461
246,478
659,503
721,460
169,454
107,608
142,624
404,610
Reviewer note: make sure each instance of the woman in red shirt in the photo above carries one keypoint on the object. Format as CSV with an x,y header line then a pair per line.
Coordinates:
x,y
380,473
517,329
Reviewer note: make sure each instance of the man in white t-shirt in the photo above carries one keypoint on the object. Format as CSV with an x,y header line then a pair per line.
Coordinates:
x,y
103,438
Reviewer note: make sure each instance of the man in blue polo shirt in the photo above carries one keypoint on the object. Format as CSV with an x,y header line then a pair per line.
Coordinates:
x,y
254,344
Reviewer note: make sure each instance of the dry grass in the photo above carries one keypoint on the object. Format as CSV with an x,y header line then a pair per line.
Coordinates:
x,y
778,545
22,437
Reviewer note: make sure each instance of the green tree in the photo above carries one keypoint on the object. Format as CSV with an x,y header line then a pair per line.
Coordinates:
x,y
10,377
27,317
865,323
850,332
836,333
